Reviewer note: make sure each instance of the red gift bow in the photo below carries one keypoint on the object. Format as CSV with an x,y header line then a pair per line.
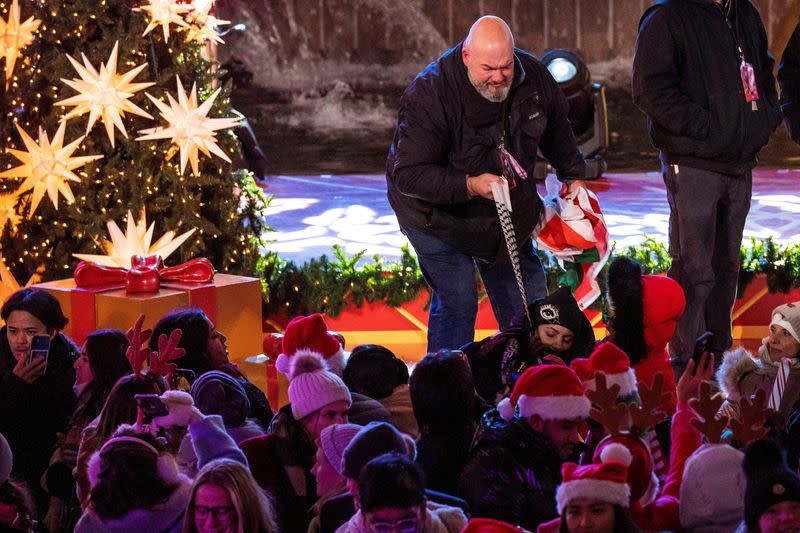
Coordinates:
x,y
145,275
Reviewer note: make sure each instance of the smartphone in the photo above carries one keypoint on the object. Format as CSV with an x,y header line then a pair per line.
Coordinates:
x,y
151,406
40,347
702,346
182,379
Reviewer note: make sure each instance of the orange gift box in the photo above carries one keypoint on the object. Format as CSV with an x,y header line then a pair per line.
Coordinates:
x,y
232,303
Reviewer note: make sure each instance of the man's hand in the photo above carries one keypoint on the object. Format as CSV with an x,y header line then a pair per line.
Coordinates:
x,y
572,186
481,185
30,372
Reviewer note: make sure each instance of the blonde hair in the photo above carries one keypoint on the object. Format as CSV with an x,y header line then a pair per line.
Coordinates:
x,y
253,508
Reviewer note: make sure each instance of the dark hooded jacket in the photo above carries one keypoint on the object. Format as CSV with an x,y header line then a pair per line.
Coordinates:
x,y
513,473
687,81
789,78
446,131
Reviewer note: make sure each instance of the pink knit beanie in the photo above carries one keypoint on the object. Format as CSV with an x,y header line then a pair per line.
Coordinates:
x,y
312,386
334,439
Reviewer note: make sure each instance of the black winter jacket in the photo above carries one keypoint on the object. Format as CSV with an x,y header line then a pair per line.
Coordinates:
x,y
789,78
447,131
31,415
686,80
513,474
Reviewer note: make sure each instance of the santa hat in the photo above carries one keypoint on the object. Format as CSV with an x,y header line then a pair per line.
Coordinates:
x,y
312,386
605,482
553,392
613,363
634,452
488,525
311,333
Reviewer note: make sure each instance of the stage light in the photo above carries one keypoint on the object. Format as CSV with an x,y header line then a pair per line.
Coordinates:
x,y
587,108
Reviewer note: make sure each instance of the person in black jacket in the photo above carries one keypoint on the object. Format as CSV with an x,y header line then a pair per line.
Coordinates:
x,y
481,102
703,76
516,460
789,78
36,396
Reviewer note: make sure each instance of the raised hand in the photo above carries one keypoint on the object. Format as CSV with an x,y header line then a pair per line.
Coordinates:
x,y
752,418
137,338
707,407
689,384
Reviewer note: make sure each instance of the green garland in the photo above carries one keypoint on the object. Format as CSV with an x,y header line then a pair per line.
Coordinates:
x,y
329,285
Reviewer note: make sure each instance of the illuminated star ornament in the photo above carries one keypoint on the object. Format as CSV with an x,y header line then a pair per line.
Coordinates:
x,y
189,127
203,25
104,94
135,241
15,36
163,13
47,166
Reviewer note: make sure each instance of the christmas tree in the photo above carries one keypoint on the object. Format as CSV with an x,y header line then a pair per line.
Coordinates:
x,y
112,107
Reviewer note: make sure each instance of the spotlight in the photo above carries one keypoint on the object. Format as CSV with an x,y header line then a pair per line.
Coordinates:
x,y
587,109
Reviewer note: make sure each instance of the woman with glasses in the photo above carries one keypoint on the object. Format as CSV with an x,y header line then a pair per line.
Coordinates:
x,y
226,499
391,499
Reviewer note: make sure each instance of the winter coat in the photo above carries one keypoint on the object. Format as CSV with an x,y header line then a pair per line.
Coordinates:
x,y
32,415
166,517
789,79
498,361
438,519
281,463
741,375
398,403
686,79
187,458
447,131
663,303
513,473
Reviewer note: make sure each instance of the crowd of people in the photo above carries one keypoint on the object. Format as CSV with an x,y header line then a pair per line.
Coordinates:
x,y
536,428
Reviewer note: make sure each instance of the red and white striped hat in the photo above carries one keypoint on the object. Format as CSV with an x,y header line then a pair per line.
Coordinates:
x,y
606,482
553,392
611,361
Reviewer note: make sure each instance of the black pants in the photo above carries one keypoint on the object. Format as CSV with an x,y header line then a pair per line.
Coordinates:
x,y
706,221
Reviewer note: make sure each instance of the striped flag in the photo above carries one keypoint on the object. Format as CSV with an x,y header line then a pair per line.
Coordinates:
x,y
780,384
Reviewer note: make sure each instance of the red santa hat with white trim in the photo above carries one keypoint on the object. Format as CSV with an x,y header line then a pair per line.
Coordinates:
x,y
553,392
605,482
311,333
609,359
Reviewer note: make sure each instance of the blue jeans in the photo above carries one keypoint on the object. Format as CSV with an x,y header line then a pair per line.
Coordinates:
x,y
450,274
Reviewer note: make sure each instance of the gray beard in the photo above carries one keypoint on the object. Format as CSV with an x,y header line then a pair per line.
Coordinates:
x,y
484,90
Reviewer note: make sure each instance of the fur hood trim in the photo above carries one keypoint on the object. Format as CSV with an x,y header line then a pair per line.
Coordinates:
x,y
735,364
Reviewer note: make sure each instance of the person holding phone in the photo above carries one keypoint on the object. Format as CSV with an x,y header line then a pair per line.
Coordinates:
x,y
36,393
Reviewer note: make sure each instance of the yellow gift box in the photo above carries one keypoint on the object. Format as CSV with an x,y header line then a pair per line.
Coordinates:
x,y
232,303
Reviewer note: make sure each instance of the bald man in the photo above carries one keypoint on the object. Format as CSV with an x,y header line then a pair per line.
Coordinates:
x,y
479,100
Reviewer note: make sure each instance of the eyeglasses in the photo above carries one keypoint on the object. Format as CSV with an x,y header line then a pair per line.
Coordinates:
x,y
406,525
221,514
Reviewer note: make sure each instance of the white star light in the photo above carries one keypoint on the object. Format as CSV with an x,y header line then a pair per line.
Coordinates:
x,y
163,13
189,127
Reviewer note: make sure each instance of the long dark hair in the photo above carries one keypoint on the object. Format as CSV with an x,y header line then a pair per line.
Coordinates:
x,y
193,324
120,407
624,286
623,523
105,350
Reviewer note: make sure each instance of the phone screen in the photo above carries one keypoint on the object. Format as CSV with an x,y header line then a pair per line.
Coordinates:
x,y
40,346
182,379
151,405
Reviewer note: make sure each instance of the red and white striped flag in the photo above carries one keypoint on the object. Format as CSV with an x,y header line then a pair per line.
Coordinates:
x,y
780,384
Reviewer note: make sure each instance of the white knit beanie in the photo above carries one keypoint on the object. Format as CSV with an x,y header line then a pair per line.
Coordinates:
x,y
312,386
334,439
712,489
787,316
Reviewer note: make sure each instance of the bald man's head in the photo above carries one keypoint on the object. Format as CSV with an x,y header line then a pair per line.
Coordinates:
x,y
488,54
